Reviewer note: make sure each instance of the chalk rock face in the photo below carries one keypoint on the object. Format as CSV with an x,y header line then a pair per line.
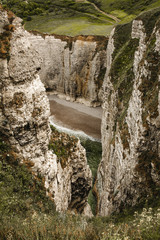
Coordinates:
x,y
129,171
24,117
73,173
73,68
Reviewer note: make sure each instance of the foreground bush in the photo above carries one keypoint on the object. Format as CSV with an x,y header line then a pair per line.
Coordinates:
x,y
26,213
145,225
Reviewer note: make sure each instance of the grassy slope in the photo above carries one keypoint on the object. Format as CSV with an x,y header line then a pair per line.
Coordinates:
x,y
68,26
68,17
128,6
126,10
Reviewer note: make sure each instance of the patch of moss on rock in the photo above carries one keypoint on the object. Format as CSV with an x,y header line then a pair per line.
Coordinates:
x,y
121,72
94,155
150,84
5,44
149,19
122,75
62,145
121,35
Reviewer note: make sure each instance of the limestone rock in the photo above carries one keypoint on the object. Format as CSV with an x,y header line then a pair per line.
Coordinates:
x,y
129,171
24,119
73,68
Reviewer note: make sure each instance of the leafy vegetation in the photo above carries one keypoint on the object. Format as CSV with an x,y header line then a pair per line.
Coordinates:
x,y
72,17
27,213
122,8
142,225
21,191
94,155
122,75
50,16
149,19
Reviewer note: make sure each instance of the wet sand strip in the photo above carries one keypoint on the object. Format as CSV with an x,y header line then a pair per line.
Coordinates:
x,y
76,120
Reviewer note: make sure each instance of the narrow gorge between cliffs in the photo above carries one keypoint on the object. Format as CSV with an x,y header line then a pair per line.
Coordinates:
x,y
119,73
80,132
84,122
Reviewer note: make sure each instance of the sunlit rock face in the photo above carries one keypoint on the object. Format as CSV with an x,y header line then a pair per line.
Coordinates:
x,y
73,68
129,171
24,118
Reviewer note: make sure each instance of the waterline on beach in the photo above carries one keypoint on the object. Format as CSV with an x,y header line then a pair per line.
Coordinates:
x,y
77,133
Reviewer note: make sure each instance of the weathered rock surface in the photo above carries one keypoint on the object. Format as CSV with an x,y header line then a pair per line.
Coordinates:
x,y
72,168
73,68
129,172
24,118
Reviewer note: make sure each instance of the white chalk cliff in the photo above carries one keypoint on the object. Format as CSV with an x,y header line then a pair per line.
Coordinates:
x,y
73,68
24,119
129,172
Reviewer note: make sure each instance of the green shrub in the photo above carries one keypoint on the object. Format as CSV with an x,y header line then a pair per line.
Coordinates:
x,y
21,191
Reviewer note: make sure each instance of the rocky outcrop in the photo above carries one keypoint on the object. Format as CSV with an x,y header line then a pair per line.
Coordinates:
x,y
129,172
73,68
73,174
24,119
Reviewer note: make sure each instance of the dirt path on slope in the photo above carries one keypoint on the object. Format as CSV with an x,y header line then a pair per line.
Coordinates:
x,y
107,14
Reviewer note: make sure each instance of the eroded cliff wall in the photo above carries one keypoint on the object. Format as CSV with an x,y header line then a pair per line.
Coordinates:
x,y
24,119
129,172
73,68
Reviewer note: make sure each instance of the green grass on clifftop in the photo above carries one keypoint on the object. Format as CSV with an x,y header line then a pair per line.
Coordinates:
x,y
68,26
61,17
70,17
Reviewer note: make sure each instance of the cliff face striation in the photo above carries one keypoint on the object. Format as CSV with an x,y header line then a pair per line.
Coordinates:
x,y
72,67
129,172
24,119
